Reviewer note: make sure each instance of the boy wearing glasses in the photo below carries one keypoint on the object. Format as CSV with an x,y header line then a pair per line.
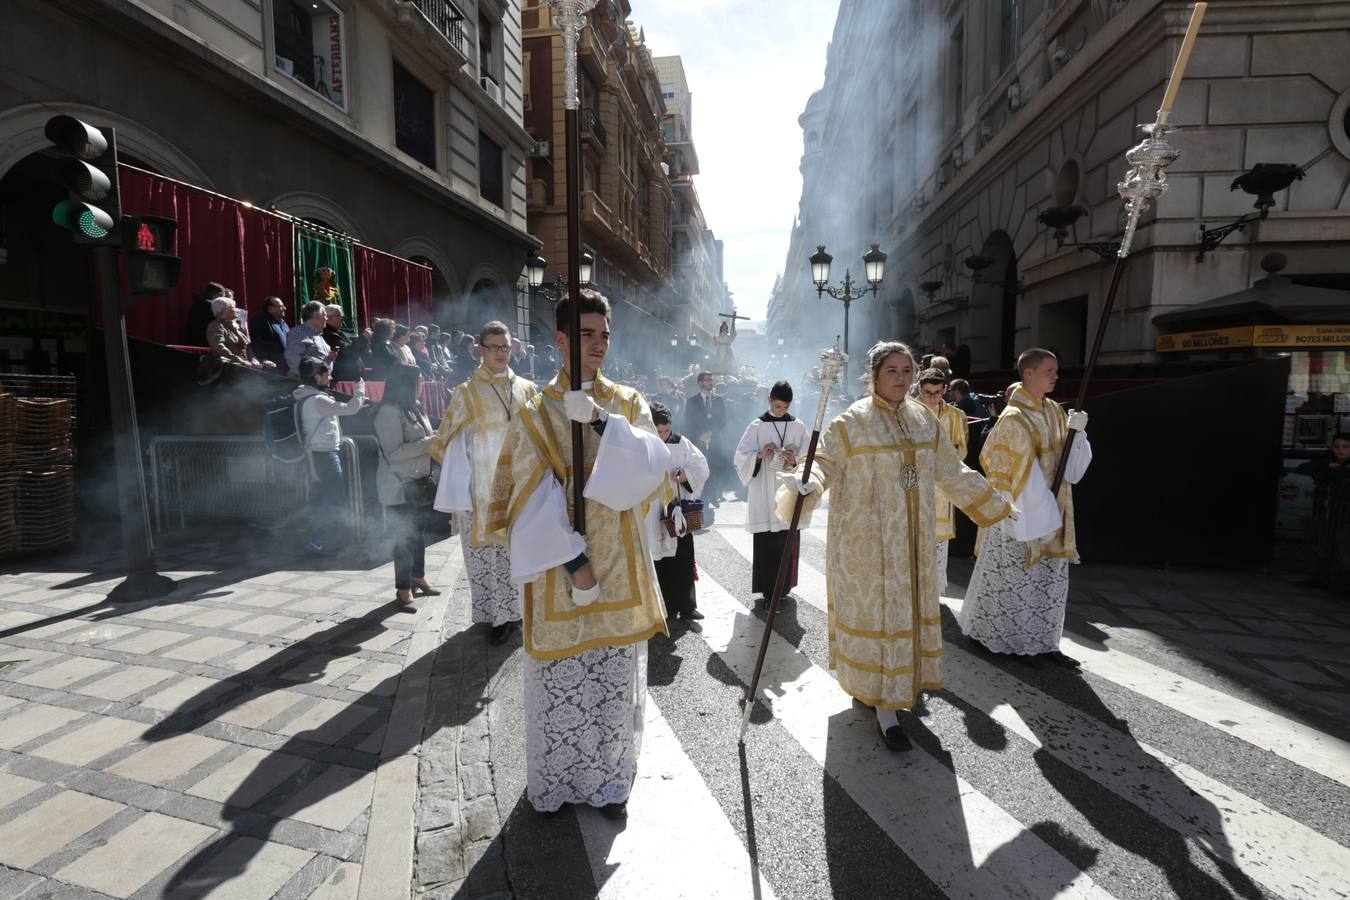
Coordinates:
x,y
952,424
467,445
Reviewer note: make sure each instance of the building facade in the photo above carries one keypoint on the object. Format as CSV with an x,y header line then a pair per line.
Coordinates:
x,y
627,200
700,291
398,123
944,131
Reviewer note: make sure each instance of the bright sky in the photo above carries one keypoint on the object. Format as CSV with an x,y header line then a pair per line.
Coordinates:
x,y
751,66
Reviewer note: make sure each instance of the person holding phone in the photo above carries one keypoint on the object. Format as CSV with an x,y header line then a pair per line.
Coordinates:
x,y
321,432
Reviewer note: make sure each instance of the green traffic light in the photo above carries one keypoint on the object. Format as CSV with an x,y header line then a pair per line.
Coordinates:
x,y
83,218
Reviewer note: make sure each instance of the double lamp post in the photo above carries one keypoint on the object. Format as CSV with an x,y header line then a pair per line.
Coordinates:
x,y
874,268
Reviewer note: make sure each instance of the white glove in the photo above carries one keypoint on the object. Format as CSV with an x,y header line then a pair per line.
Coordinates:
x,y
793,483
579,407
1078,420
585,596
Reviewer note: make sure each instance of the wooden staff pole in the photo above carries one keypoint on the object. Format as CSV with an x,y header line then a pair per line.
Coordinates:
x,y
573,137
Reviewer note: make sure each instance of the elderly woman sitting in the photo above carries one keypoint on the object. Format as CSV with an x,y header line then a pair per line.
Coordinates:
x,y
228,340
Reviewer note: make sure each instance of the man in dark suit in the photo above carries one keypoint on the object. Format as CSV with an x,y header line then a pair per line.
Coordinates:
x,y
268,331
705,419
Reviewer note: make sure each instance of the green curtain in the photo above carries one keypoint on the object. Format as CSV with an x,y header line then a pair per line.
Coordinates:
x,y
315,250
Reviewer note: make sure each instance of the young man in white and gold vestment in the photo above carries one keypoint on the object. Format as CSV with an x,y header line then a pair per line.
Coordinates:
x,y
467,445
952,421
884,458
590,602
1020,586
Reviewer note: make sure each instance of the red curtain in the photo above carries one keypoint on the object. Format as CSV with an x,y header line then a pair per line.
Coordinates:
x,y
392,288
219,239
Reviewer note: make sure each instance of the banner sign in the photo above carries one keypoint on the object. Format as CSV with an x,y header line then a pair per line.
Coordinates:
x,y
1302,337
1291,337
1215,339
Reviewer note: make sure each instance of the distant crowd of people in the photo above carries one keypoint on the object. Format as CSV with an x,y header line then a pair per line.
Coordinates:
x,y
269,341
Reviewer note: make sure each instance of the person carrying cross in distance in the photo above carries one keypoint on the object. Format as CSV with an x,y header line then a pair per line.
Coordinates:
x,y
771,444
952,422
1020,586
590,602
883,459
467,445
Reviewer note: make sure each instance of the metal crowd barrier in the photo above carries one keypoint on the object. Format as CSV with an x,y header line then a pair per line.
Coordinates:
x,y
234,478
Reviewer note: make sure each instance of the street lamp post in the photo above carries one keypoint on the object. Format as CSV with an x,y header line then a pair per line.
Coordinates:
x,y
874,268
556,289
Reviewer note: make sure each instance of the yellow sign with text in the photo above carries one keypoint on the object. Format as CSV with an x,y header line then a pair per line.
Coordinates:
x,y
1215,339
1302,337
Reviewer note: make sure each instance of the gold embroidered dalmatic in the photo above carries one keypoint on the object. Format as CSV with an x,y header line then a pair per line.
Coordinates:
x,y
538,445
1029,432
884,613
952,421
485,404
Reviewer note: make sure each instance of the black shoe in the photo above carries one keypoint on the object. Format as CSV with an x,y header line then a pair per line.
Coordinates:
x,y
499,633
615,811
895,739
692,614
1059,659
425,591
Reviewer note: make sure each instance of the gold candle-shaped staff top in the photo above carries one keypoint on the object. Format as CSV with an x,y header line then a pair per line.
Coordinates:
x,y
1187,45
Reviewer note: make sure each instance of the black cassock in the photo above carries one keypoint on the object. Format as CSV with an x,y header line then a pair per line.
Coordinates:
x,y
769,549
676,576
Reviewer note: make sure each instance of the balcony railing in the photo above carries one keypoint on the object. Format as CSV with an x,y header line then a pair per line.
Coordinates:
x,y
445,17
591,122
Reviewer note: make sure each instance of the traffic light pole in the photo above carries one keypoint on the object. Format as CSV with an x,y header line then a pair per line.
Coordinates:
x,y
143,581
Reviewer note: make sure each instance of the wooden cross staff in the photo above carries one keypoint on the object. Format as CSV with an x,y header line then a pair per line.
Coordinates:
x,y
733,317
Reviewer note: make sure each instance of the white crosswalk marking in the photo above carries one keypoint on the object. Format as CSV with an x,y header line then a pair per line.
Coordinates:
x,y
1271,848
940,821
671,807
1301,745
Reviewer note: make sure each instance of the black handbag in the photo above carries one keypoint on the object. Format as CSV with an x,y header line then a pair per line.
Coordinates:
x,y
419,491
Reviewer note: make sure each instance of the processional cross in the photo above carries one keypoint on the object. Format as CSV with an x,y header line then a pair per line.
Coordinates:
x,y
733,317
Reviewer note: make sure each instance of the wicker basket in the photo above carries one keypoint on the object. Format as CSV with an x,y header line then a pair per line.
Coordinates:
x,y
693,518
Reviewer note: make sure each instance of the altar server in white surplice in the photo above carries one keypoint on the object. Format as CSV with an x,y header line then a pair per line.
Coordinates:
x,y
590,602
674,554
466,445
1018,592
771,444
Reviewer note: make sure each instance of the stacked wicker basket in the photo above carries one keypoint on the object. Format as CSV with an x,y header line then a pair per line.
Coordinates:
x,y
37,479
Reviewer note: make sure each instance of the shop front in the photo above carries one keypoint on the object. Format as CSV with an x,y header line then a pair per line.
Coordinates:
x,y
1310,326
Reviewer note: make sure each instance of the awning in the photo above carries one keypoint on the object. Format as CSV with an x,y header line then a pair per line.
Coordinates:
x,y
1274,300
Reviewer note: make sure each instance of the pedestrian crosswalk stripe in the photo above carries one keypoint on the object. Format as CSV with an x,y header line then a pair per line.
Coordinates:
x,y
1277,851
671,811
909,795
1306,747
1294,741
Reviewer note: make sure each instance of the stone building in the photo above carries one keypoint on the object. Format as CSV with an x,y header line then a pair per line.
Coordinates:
x,y
627,199
700,292
945,131
980,145
398,123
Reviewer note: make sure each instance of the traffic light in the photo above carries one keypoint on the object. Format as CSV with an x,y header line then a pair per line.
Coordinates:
x,y
88,169
152,267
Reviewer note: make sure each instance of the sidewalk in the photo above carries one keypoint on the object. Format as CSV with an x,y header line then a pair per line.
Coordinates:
x,y
253,734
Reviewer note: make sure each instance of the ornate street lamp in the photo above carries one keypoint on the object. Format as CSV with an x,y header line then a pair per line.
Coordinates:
x,y
1263,181
874,268
556,289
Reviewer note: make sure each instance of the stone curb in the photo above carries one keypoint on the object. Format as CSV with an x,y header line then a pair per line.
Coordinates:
x,y
387,867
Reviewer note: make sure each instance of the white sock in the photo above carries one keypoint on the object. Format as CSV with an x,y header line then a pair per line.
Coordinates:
x,y
887,718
